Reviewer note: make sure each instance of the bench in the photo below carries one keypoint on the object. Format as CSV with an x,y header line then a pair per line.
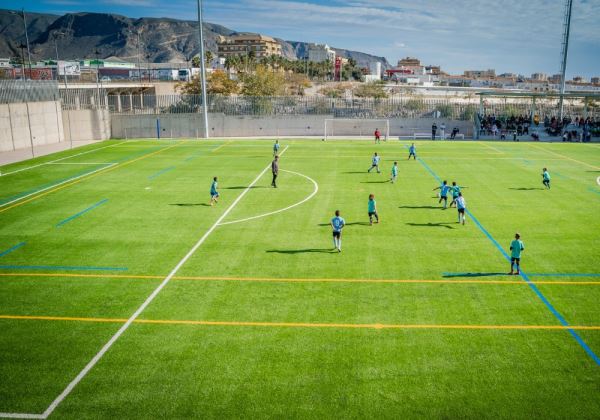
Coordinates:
x,y
461,135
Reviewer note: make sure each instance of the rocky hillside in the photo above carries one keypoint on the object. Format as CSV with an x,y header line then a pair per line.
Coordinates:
x,y
80,35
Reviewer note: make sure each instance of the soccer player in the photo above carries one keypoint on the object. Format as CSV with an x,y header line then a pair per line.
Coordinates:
x,y
276,148
412,151
455,189
546,178
375,163
433,130
444,188
373,209
337,224
214,194
275,170
461,206
377,136
516,247
394,172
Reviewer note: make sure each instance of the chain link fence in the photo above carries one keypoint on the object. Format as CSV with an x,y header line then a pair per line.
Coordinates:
x,y
19,91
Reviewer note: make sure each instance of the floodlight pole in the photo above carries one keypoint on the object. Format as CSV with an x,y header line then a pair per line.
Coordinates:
x,y
202,70
27,40
565,51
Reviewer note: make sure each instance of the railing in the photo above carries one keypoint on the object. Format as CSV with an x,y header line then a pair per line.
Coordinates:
x,y
15,91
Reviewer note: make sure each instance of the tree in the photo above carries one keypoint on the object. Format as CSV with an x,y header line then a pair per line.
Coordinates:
x,y
196,61
217,83
208,57
262,82
296,83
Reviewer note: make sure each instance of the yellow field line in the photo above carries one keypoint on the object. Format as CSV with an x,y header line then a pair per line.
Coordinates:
x,y
563,156
304,324
223,145
101,172
291,280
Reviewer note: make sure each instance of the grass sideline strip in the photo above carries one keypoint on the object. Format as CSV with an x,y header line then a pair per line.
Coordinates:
x,y
294,280
301,324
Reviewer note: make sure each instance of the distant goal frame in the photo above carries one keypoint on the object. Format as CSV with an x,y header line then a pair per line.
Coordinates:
x,y
369,133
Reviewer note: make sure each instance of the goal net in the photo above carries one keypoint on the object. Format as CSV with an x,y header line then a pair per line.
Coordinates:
x,y
356,128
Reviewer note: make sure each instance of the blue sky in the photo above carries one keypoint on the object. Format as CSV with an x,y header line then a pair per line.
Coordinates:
x,y
521,36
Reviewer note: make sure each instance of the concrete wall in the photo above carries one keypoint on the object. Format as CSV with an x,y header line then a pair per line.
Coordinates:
x,y
44,123
221,125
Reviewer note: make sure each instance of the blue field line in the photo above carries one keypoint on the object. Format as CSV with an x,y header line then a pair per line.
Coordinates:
x,y
81,213
428,168
9,250
61,267
49,184
591,189
560,175
159,173
524,276
194,155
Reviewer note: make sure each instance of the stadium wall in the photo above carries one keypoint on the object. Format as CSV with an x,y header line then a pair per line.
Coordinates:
x,y
221,125
45,123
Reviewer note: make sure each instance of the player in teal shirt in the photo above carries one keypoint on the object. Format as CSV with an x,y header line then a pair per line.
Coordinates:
x,y
516,247
394,172
373,209
276,147
546,178
412,151
444,188
214,194
337,224
455,189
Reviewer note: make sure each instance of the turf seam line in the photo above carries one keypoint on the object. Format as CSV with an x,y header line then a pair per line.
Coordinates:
x,y
11,249
524,276
81,213
162,171
315,191
149,299
62,267
341,325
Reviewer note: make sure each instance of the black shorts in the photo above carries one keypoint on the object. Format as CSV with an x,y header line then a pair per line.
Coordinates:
x,y
444,197
337,234
461,211
372,213
513,259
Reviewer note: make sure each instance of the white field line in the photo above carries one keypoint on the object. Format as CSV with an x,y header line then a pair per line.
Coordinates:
x,y
22,416
147,302
58,160
56,185
79,163
280,210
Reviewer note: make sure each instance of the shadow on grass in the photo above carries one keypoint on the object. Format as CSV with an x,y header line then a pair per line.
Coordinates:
x,y
190,204
452,275
243,187
347,224
375,182
445,225
355,172
525,189
420,207
302,251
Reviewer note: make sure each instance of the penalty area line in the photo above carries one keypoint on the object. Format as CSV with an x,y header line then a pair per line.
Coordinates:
x,y
148,300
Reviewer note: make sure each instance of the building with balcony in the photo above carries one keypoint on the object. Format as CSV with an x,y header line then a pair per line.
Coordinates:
x,y
244,43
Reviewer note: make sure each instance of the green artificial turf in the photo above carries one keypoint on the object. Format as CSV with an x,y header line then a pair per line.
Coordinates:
x,y
383,329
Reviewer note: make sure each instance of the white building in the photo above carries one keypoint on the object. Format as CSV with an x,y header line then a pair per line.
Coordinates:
x,y
320,52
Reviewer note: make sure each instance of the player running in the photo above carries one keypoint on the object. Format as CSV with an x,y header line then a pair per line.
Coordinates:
x,y
377,136
214,194
412,151
275,171
516,247
546,178
455,189
375,163
461,206
337,224
373,209
276,148
394,173
444,188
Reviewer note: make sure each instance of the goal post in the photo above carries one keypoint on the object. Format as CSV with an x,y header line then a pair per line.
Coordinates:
x,y
355,128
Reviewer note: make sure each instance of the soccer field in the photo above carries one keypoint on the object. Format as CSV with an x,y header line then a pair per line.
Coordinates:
x,y
123,294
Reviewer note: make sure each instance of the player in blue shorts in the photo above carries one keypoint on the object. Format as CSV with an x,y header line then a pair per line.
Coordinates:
x,y
412,151
337,224
214,194
516,247
444,188
546,178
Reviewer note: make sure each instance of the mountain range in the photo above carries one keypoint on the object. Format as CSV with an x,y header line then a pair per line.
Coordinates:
x,y
104,35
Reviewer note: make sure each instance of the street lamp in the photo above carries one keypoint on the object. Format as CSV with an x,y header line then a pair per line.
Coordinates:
x,y
148,62
97,54
22,14
22,47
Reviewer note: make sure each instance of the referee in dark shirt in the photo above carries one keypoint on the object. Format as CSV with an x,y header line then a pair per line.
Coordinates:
x,y
275,170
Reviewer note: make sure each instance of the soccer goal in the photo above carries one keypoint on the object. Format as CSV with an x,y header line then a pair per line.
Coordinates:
x,y
356,128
